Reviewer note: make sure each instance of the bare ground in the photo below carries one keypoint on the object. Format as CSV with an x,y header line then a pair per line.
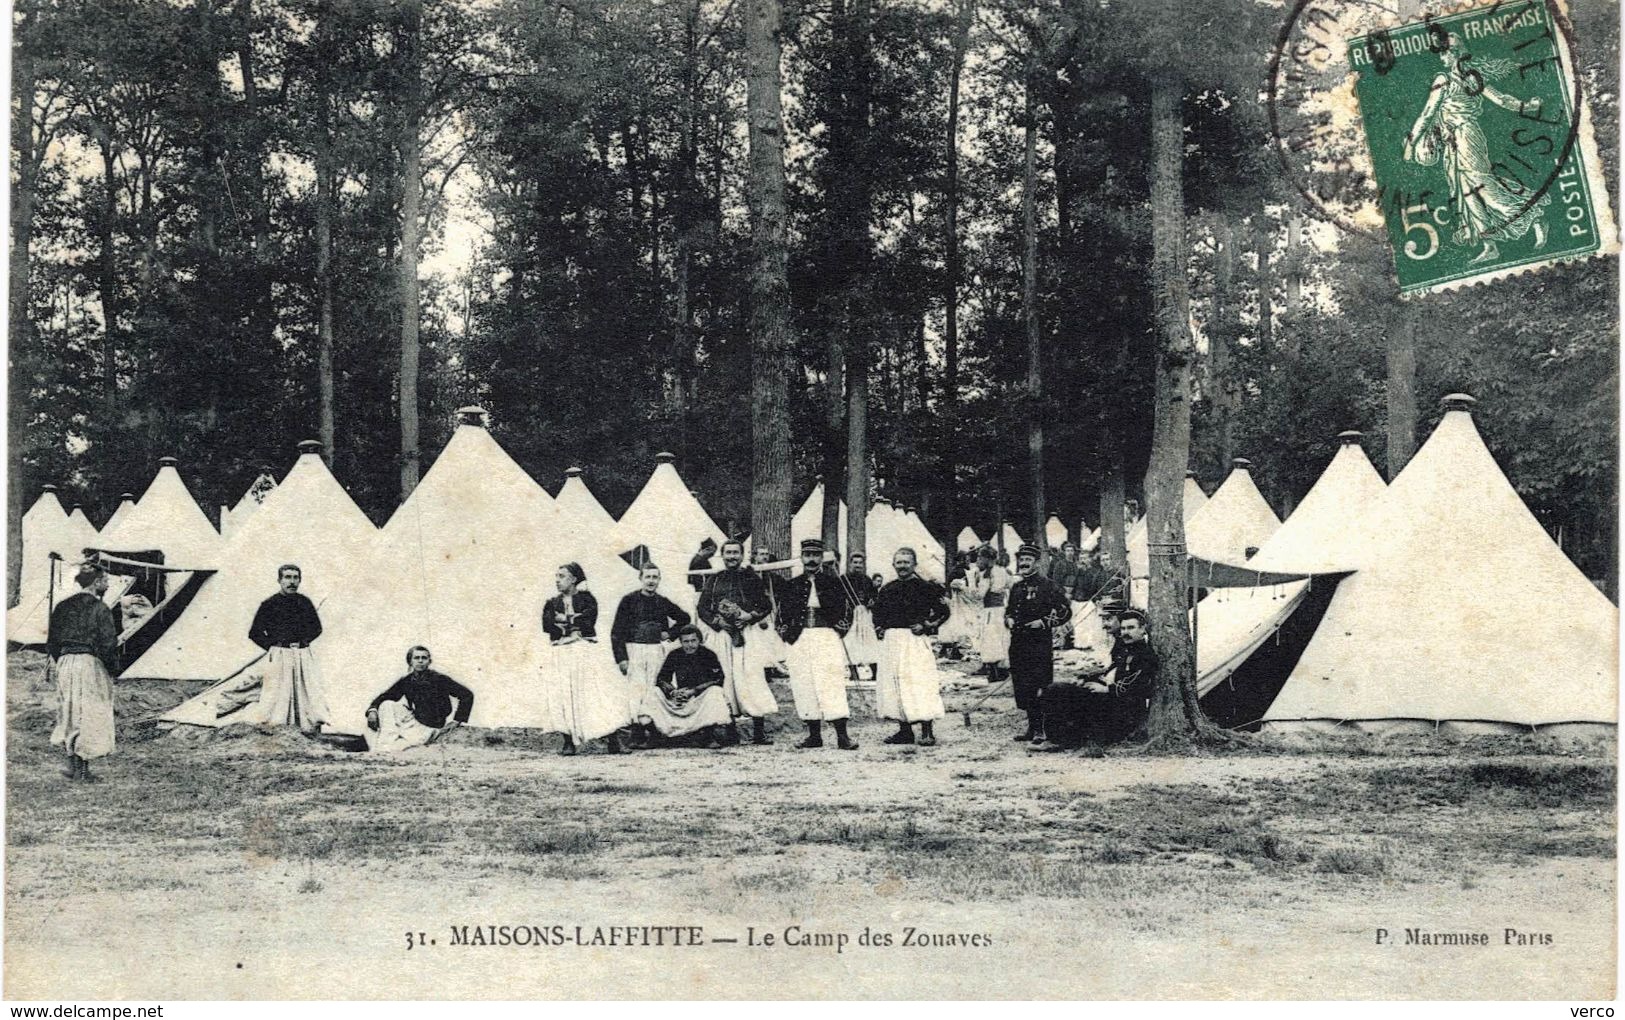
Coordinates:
x,y
243,864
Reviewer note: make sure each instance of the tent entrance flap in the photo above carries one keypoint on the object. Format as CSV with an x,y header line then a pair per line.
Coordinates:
x,y
1240,699
142,634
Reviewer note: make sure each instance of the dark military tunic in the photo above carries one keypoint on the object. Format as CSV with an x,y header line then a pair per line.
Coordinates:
x,y
284,621
741,585
906,604
863,588
834,608
1032,654
429,695
81,624
643,619
688,671
574,614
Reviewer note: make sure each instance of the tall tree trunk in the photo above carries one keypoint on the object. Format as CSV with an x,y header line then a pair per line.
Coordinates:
x,y
1222,335
1401,391
834,443
107,285
324,260
964,15
685,217
1264,244
953,259
411,154
1294,268
857,447
1175,714
22,324
1029,314
263,314
859,313
771,337
1113,545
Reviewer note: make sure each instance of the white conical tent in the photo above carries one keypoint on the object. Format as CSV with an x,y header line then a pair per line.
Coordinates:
x,y
233,518
968,539
1235,519
125,505
1012,540
1194,501
79,519
1195,496
46,529
932,557
667,519
1462,610
310,521
1055,532
581,510
1324,535
166,518
465,567
808,522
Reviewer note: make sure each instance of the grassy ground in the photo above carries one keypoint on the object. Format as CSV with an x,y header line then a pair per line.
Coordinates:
x,y
261,864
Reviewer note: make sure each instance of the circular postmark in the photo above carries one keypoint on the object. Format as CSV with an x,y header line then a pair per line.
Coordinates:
x,y
1465,119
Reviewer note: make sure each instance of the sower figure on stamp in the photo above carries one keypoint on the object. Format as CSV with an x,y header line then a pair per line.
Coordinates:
x,y
908,687
816,615
645,625
862,643
417,709
687,694
1037,606
733,602
1488,206
82,641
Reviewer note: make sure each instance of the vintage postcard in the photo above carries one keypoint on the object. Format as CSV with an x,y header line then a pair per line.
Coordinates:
x,y
877,500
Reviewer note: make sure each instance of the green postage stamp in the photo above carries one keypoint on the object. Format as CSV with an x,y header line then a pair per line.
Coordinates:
x,y
1481,144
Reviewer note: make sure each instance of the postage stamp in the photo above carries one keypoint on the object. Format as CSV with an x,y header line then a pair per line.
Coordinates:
x,y
1481,147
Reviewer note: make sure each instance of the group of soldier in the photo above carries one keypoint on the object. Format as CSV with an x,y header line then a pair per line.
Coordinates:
x,y
667,675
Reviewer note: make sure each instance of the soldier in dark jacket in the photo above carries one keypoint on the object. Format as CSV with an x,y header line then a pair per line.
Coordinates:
x,y
814,616
1035,608
414,710
908,686
82,641
1120,700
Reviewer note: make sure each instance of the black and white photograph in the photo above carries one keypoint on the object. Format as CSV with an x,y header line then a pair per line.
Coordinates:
x,y
812,500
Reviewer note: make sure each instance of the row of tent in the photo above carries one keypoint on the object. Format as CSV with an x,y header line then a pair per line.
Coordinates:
x,y
464,565
1436,601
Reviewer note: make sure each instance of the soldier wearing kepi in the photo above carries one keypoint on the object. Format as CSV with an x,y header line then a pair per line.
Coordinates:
x,y
908,687
83,645
1036,607
645,621
815,615
734,600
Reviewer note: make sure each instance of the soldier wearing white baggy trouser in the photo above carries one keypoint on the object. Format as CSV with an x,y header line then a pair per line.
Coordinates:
x,y
645,622
83,644
908,688
814,615
732,603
